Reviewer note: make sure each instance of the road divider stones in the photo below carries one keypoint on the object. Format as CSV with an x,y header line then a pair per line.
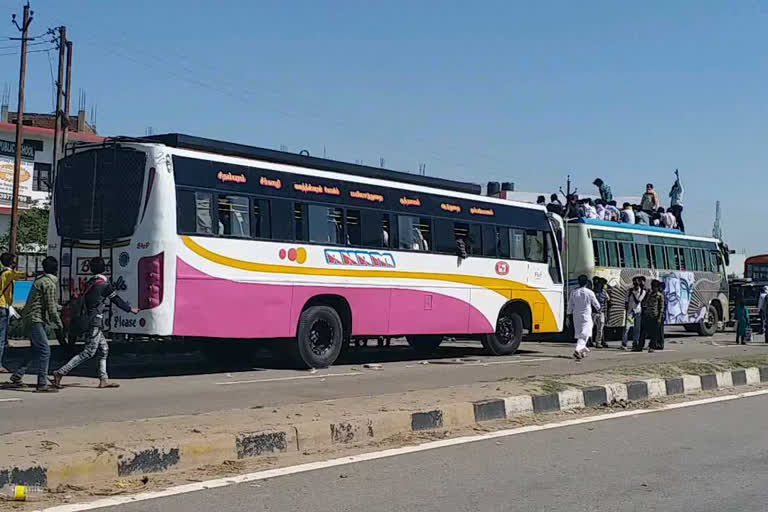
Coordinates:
x,y
304,438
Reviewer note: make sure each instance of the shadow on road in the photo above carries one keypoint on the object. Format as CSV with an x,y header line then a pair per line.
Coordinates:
x,y
172,359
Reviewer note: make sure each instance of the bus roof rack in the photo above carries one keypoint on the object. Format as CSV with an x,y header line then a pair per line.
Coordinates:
x,y
180,140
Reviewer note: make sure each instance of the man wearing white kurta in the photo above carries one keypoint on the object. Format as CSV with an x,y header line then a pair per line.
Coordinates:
x,y
582,305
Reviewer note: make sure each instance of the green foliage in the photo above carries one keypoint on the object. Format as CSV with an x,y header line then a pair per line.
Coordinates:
x,y
33,230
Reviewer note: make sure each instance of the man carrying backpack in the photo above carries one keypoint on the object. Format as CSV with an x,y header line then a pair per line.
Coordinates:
x,y
97,290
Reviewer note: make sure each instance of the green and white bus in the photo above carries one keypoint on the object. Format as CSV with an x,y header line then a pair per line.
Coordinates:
x,y
692,268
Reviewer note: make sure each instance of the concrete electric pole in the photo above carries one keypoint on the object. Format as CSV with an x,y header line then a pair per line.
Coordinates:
x,y
24,29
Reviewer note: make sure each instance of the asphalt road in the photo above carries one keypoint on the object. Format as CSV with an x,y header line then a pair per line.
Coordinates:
x,y
167,382
708,457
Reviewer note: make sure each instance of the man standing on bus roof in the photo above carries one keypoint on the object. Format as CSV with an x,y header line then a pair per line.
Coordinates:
x,y
582,305
98,289
676,201
8,275
605,191
650,200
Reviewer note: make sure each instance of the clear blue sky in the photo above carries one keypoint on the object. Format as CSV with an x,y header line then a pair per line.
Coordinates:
x,y
516,91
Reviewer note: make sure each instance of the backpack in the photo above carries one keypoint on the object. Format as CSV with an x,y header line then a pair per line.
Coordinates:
x,y
74,314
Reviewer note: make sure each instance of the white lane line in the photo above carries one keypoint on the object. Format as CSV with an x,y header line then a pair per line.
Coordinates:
x,y
477,363
313,466
298,377
11,400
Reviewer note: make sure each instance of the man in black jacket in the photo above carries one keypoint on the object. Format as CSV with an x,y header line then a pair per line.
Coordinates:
x,y
98,290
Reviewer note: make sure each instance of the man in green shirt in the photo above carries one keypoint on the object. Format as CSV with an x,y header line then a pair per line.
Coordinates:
x,y
42,309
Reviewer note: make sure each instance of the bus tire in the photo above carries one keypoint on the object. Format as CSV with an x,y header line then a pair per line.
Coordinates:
x,y
424,343
508,336
318,338
708,326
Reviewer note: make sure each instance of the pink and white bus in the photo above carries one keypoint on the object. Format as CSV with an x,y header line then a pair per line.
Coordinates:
x,y
218,240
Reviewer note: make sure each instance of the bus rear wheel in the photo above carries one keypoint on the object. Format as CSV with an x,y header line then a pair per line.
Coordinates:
x,y
508,336
319,337
424,343
708,325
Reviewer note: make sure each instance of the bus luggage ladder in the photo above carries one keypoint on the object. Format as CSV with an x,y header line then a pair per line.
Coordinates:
x,y
66,282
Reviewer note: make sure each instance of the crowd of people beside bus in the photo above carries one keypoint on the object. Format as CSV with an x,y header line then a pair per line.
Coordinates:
x,y
649,211
646,311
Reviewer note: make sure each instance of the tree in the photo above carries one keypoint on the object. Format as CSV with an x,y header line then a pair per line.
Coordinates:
x,y
33,230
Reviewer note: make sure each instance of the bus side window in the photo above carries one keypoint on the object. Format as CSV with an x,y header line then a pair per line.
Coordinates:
x,y
671,258
234,216
489,240
193,212
446,236
642,256
300,222
660,257
353,223
260,223
325,225
628,255
534,246
688,260
613,254
503,242
373,227
517,244
699,265
282,220
413,233
552,259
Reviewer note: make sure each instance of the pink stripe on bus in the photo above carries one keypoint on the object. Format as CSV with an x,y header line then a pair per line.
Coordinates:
x,y
220,308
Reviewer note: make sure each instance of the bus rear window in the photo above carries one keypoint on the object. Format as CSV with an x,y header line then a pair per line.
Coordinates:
x,y
98,193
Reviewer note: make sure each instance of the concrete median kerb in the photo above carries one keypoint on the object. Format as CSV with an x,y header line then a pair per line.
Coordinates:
x,y
190,452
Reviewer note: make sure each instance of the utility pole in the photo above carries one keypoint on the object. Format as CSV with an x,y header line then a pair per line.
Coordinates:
x,y
59,100
24,29
67,99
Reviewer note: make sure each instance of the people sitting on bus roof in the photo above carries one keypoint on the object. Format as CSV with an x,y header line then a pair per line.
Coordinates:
x,y
605,191
642,217
555,206
541,200
600,207
590,212
613,211
627,214
668,219
650,200
573,209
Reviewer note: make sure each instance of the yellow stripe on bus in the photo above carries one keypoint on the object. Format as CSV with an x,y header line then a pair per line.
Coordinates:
x,y
504,287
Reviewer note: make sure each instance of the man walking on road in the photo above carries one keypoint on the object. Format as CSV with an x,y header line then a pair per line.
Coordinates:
x,y
8,275
582,305
98,289
42,309
760,305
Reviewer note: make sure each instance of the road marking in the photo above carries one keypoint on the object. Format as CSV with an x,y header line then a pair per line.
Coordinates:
x,y
298,377
479,363
11,400
393,452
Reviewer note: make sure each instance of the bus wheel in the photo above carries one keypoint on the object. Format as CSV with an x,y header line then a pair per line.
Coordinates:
x,y
425,343
708,326
319,337
691,327
508,336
